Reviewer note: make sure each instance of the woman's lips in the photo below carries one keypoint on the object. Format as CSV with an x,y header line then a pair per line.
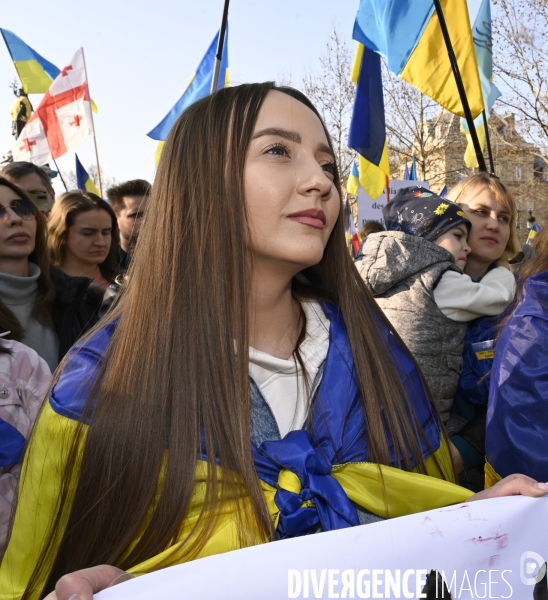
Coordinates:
x,y
313,217
490,240
18,237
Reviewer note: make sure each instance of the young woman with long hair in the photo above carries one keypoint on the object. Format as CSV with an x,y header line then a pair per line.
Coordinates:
x,y
493,240
83,237
40,306
517,422
246,387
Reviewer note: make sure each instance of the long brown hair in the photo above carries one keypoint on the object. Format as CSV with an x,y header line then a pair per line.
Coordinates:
x,y
171,378
532,266
459,193
64,211
46,292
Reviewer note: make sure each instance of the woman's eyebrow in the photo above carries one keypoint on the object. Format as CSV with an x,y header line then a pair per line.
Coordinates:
x,y
292,136
325,148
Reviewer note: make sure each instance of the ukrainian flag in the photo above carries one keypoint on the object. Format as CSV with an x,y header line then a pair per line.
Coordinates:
x,y
367,134
483,45
352,185
35,72
408,34
198,87
83,181
533,233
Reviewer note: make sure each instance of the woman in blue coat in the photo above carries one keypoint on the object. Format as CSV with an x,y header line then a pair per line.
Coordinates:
x,y
517,416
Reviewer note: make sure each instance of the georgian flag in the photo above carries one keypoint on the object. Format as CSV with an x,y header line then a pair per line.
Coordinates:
x,y
63,117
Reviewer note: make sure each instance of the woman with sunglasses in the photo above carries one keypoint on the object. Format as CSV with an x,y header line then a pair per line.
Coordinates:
x,y
40,305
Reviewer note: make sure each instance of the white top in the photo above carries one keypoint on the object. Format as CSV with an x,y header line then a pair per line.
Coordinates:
x,y
281,381
461,299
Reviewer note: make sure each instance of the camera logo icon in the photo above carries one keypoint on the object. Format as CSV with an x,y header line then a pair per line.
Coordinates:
x,y
529,564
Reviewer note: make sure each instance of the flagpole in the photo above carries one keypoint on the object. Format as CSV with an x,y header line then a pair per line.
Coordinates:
x,y
488,142
220,44
460,87
60,175
93,128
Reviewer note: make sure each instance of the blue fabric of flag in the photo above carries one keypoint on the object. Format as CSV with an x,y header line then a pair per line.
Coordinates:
x,y
367,133
443,193
12,445
413,170
483,46
517,419
199,87
392,28
81,175
406,172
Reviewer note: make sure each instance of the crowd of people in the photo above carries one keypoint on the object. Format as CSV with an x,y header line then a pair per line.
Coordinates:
x,y
234,377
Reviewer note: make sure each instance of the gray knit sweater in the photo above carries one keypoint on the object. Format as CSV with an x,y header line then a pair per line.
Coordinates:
x,y
402,271
19,295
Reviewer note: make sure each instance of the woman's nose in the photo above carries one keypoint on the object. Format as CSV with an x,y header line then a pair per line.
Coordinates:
x,y
493,222
312,179
11,216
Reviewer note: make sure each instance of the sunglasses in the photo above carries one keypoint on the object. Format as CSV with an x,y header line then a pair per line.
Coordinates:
x,y
41,200
22,208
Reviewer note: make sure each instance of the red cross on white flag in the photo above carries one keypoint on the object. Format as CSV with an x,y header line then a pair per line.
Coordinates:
x,y
63,117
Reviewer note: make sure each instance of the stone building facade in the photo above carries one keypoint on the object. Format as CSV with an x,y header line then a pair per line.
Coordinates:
x,y
517,162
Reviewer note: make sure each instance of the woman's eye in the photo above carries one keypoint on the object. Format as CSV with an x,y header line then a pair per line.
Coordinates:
x,y
278,150
505,219
330,168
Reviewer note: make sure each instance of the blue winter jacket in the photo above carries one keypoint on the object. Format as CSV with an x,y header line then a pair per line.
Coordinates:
x,y
517,414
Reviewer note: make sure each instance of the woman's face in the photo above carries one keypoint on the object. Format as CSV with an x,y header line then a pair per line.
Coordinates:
x,y
292,202
17,235
490,225
89,237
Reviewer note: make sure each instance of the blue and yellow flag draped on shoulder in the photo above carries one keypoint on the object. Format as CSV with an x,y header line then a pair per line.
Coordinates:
x,y
198,87
313,478
83,181
367,133
408,34
483,45
35,72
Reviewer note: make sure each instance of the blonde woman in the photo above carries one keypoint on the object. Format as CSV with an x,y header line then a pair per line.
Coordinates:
x,y
493,240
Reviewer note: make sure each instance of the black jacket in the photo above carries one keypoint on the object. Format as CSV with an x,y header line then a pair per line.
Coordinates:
x,y
75,308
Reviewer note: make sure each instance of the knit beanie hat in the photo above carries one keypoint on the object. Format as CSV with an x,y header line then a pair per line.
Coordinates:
x,y
417,211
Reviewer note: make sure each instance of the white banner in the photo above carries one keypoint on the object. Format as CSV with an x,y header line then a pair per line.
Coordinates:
x,y
371,210
487,549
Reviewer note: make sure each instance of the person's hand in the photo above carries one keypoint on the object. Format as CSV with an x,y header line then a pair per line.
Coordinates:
x,y
457,458
513,485
81,585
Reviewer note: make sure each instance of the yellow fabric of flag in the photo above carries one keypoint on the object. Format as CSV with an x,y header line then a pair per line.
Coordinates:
x,y
373,179
429,68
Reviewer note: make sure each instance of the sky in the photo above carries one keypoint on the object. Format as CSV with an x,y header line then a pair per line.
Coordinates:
x,y
140,55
